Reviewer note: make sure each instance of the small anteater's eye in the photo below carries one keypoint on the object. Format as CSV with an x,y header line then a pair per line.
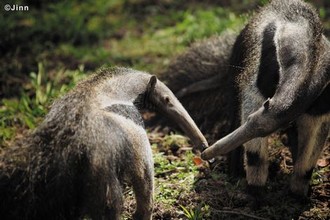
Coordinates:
x,y
167,100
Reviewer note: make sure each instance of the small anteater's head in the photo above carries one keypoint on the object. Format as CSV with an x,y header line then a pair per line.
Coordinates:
x,y
160,98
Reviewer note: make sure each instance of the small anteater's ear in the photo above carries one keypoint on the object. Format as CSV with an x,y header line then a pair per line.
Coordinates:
x,y
152,83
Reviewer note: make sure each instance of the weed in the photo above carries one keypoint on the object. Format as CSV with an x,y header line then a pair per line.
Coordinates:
x,y
191,214
28,110
202,211
320,175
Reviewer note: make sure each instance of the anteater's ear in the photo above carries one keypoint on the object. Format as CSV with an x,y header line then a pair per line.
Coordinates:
x,y
266,104
152,83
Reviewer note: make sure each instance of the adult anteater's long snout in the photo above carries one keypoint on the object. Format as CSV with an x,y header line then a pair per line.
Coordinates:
x,y
292,98
261,123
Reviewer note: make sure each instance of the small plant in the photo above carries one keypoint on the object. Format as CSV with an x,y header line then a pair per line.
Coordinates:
x,y
191,214
319,175
28,110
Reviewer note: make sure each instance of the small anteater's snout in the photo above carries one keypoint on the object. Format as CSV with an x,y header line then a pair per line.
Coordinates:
x,y
198,149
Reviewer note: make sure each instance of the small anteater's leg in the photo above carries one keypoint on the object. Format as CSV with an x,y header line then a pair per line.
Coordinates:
x,y
143,187
114,200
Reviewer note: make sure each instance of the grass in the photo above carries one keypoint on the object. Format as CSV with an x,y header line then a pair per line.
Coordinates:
x,y
104,32
192,214
27,111
48,49
79,37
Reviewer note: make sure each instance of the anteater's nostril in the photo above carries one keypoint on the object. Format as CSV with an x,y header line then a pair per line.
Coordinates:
x,y
203,147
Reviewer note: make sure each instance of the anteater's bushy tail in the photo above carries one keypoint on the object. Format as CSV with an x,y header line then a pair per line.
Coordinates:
x,y
199,78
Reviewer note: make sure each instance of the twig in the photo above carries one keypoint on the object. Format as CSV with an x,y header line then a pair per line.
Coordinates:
x,y
239,213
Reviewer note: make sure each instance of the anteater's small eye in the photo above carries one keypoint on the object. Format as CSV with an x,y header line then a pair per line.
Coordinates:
x,y
167,100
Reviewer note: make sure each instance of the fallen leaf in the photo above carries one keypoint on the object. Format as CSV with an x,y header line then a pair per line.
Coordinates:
x,y
197,161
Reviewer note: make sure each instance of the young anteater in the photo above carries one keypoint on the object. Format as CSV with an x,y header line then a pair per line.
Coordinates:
x,y
73,165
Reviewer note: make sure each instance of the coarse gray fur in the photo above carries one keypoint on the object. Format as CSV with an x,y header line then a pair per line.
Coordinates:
x,y
278,76
91,141
284,79
197,78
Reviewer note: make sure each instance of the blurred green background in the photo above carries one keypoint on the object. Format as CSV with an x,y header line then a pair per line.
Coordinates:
x,y
44,51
